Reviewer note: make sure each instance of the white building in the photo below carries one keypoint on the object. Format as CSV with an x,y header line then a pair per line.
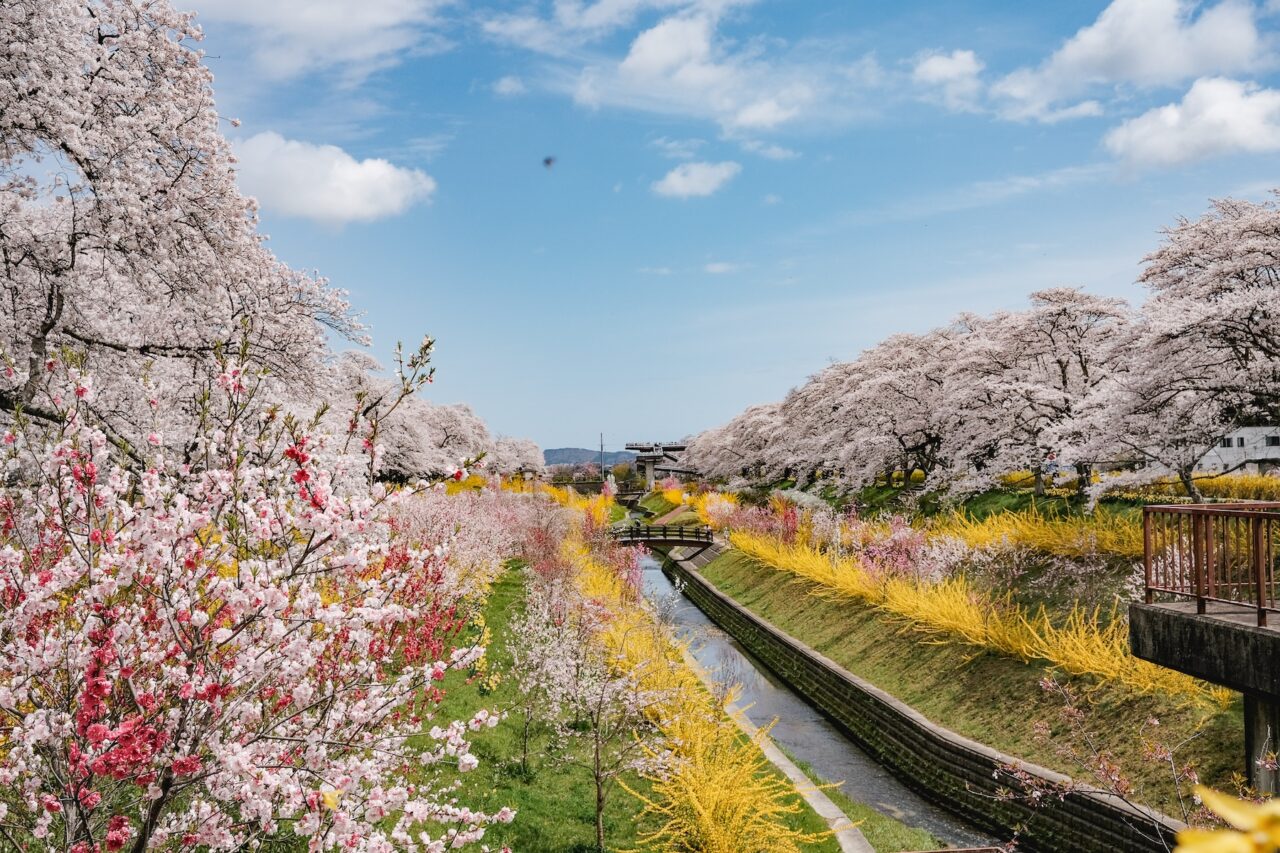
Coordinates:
x,y
1254,450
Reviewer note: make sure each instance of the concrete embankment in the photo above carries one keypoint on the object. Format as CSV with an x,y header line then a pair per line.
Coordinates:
x,y
984,786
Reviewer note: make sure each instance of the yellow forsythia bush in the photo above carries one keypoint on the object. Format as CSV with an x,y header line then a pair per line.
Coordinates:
x,y
594,507
675,497
719,795
1100,532
1239,487
1082,644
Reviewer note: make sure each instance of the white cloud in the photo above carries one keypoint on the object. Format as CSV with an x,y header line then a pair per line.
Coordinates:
x,y
955,75
696,179
678,149
288,37
769,150
509,86
673,45
325,183
1217,116
682,65
720,268
772,198
767,112
1142,43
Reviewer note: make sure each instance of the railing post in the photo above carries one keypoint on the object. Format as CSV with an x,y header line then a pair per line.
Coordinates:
x,y
1259,569
1146,551
1197,561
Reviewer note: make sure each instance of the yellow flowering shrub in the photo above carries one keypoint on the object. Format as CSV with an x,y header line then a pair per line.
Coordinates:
x,y
595,507
1100,532
675,497
470,483
1082,644
718,796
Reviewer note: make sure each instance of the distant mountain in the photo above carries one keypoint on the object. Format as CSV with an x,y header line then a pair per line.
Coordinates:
x,y
581,455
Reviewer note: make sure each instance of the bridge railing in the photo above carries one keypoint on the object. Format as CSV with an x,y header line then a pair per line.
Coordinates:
x,y
663,533
1214,552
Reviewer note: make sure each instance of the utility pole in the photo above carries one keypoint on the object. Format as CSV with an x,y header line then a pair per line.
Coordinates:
x,y
602,477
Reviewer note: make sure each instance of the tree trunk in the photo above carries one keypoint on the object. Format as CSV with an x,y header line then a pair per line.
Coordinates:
x,y
1084,477
153,814
1189,483
1038,489
599,797
524,743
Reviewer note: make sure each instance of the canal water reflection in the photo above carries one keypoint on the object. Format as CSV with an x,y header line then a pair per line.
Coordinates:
x,y
801,729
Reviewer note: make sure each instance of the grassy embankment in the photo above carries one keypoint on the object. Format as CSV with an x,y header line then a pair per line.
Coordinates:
x,y
992,698
555,800
664,510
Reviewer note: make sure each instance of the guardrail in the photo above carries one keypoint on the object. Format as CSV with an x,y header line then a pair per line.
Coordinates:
x,y
1213,552
663,533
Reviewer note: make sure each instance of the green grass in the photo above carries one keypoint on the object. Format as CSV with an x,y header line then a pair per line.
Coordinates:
x,y
655,503
617,512
555,802
885,834
988,697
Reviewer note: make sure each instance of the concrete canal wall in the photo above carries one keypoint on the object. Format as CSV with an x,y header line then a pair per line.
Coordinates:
x,y
967,777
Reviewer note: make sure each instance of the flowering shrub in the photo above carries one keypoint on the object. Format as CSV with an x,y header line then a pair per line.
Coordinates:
x,y
209,656
1081,644
1099,532
1250,827
715,508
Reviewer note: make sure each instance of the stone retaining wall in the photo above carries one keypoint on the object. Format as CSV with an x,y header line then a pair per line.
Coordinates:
x,y
967,777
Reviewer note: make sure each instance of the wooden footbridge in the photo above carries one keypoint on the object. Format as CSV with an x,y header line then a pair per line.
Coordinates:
x,y
664,535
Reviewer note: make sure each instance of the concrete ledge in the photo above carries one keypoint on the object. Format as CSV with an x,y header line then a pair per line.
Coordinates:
x,y
967,777
1218,646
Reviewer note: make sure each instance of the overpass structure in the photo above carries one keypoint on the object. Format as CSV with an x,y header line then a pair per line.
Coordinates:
x,y
655,457
1210,609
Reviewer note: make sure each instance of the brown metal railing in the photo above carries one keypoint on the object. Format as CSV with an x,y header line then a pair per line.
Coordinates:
x,y
663,533
1214,552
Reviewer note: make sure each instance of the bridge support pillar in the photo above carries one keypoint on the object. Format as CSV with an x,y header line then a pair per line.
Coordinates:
x,y
648,477
1261,730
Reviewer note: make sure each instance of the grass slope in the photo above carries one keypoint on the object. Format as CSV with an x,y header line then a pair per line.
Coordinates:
x,y
988,697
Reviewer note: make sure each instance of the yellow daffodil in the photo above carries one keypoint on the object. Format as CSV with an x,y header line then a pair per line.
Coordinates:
x,y
1255,827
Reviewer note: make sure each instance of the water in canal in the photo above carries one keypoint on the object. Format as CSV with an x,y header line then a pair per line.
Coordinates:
x,y
801,729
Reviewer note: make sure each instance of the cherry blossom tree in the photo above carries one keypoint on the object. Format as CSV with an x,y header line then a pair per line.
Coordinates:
x,y
510,455
123,235
895,416
743,443
1020,377
1213,286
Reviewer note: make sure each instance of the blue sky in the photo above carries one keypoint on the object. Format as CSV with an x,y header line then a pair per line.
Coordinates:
x,y
742,191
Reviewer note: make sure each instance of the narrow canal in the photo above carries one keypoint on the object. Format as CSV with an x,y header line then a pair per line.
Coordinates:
x,y
801,729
